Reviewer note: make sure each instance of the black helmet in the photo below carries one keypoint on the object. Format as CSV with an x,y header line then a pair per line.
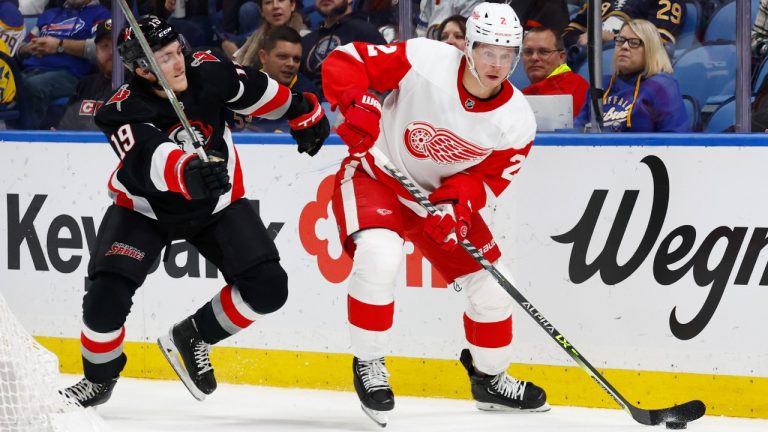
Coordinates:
x,y
158,33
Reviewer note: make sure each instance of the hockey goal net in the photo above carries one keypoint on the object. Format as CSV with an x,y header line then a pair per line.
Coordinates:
x,y
29,382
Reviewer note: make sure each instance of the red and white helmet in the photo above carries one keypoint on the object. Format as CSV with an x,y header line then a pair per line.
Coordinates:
x,y
493,24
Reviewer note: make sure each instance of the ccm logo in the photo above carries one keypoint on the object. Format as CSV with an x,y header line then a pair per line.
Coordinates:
x,y
89,107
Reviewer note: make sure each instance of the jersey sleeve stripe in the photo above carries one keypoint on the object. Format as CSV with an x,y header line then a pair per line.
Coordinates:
x,y
162,169
119,193
240,91
236,174
272,104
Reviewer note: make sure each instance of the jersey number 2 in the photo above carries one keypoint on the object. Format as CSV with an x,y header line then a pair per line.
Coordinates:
x,y
373,50
514,167
123,140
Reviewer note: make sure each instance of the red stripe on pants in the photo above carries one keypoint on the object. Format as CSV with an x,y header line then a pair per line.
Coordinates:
x,y
370,317
488,335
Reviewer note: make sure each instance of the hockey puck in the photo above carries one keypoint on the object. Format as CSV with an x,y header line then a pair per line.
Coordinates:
x,y
676,425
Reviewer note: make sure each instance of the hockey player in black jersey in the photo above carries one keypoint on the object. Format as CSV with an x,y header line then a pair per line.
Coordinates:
x,y
163,191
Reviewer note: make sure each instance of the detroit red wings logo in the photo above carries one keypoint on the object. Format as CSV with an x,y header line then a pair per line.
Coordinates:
x,y
443,146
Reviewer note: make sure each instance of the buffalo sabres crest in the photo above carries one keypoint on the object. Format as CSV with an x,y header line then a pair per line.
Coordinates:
x,y
187,143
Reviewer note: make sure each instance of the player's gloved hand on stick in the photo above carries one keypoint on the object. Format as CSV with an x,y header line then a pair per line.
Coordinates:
x,y
454,199
362,112
206,179
449,226
311,128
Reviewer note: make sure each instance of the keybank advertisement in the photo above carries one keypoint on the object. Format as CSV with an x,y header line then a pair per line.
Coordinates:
x,y
646,258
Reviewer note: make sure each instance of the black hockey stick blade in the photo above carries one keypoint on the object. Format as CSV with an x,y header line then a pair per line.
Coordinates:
x,y
684,413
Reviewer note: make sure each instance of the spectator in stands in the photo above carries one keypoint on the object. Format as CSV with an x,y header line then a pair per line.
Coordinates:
x,y
275,13
532,13
760,33
339,27
91,89
280,57
453,31
549,13
668,16
760,109
379,12
54,56
434,12
544,63
642,95
11,26
239,18
192,18
32,7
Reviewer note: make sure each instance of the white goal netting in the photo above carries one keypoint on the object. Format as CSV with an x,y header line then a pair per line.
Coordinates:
x,y
29,383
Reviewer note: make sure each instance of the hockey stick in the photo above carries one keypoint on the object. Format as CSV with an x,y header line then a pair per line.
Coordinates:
x,y
161,79
676,416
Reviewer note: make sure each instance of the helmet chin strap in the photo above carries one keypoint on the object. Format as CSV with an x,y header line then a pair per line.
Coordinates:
x,y
471,64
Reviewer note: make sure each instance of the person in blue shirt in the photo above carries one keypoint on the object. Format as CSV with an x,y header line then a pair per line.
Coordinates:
x,y
54,56
641,95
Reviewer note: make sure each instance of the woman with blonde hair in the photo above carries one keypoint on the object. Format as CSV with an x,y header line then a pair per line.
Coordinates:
x,y
642,95
275,13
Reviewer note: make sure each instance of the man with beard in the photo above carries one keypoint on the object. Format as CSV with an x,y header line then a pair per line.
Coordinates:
x,y
92,89
280,57
339,27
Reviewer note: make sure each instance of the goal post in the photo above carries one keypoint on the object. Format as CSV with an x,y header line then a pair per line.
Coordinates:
x,y
29,385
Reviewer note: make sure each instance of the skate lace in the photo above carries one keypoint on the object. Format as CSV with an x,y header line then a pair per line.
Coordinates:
x,y
202,359
83,390
508,387
374,374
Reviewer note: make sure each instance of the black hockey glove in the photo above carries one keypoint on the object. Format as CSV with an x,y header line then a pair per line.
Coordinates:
x,y
207,179
310,127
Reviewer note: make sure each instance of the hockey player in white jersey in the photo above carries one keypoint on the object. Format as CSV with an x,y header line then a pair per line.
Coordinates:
x,y
455,127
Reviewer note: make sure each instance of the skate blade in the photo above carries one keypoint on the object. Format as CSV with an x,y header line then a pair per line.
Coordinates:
x,y
487,406
172,355
379,417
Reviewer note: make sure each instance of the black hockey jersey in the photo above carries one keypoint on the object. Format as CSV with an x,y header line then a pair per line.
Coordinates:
x,y
667,15
152,145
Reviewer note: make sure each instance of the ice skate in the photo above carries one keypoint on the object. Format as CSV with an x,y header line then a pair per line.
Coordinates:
x,y
372,386
88,393
502,392
187,353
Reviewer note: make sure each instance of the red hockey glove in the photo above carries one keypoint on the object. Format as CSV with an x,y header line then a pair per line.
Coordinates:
x,y
362,112
311,128
205,179
449,226
457,198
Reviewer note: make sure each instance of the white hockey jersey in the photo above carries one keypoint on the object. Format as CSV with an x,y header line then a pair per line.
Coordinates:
x,y
431,127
